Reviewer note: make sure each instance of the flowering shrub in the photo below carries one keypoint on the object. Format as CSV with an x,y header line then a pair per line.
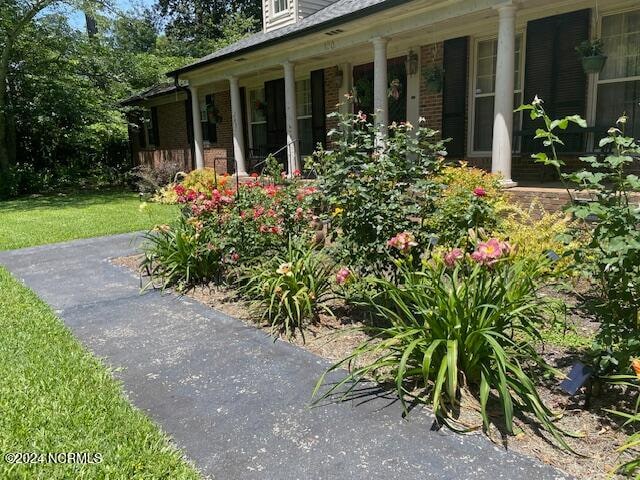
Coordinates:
x,y
470,199
239,224
291,288
371,191
451,328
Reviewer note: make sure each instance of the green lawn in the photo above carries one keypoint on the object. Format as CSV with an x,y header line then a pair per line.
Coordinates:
x,y
32,221
56,397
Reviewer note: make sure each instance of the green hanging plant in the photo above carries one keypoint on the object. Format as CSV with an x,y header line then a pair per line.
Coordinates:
x,y
434,78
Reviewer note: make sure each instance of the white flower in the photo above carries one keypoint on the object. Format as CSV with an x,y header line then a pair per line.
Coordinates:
x,y
537,101
422,120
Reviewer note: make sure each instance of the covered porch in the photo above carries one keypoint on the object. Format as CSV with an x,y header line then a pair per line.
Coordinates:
x,y
462,67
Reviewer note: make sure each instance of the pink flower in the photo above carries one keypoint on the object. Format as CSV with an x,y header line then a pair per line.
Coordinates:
x,y
403,241
254,175
235,257
299,213
490,251
297,173
452,257
343,276
479,192
362,117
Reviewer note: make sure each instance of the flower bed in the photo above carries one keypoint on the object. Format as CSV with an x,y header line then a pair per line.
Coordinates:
x,y
454,289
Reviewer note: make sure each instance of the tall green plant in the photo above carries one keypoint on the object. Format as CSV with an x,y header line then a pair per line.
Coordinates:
x,y
463,322
610,259
290,289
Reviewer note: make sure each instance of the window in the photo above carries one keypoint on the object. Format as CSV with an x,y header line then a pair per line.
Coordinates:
x,y
150,120
209,118
486,52
258,121
305,125
619,81
280,6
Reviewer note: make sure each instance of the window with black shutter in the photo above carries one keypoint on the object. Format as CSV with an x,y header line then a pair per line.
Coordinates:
x,y
454,94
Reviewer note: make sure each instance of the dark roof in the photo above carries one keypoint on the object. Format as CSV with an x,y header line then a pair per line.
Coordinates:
x,y
155,91
334,14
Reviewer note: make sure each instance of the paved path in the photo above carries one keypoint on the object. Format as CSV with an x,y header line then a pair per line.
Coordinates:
x,y
234,400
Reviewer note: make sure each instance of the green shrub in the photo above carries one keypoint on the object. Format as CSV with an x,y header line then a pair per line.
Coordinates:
x,y
462,322
291,288
182,256
610,256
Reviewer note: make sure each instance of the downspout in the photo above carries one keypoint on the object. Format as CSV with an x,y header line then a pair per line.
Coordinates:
x,y
188,118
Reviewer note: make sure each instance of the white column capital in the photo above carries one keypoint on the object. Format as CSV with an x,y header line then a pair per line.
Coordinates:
x,y
233,79
379,42
506,9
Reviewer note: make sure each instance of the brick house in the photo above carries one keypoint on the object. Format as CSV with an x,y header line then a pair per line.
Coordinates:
x,y
463,65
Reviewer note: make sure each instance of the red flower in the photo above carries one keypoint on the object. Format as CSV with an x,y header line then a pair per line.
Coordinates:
x,y
297,173
480,192
254,175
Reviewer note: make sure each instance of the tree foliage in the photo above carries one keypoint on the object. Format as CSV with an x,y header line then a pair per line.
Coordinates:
x,y
60,112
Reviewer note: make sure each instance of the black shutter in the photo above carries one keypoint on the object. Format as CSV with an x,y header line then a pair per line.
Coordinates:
x,y
454,95
318,115
554,73
276,115
155,127
245,117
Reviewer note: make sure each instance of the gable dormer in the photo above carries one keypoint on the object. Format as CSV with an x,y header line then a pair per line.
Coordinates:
x,y
279,13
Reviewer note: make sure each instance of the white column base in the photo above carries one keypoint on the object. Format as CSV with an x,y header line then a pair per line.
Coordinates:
x,y
508,183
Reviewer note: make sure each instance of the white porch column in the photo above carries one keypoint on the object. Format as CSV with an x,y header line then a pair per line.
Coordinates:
x,y
346,88
413,92
236,120
503,111
380,83
292,117
197,128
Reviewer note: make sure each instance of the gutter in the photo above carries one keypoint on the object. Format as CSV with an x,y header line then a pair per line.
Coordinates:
x,y
364,12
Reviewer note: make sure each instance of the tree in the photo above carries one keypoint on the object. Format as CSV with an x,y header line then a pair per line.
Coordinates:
x,y
198,26
16,16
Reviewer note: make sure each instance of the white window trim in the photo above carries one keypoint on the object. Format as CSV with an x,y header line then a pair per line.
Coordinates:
x,y
282,13
249,121
594,79
473,57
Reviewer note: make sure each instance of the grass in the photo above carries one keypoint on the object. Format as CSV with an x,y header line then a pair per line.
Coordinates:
x,y
30,221
56,397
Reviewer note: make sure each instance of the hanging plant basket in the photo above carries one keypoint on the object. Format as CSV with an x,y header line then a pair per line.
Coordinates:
x,y
594,63
592,55
434,79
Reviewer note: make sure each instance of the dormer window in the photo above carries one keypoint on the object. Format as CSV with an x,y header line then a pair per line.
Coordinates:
x,y
280,6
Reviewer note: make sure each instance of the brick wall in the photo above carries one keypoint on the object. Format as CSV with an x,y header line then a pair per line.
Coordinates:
x,y
430,102
172,126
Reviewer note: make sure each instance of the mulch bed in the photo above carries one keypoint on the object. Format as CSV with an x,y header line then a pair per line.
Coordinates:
x,y
334,338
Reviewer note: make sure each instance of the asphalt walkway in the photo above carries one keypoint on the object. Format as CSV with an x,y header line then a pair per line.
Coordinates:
x,y
236,402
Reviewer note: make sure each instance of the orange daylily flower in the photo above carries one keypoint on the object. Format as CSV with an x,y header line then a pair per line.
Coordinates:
x,y
635,364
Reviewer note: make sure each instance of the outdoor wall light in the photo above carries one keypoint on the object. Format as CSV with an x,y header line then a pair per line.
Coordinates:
x,y
338,78
412,63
